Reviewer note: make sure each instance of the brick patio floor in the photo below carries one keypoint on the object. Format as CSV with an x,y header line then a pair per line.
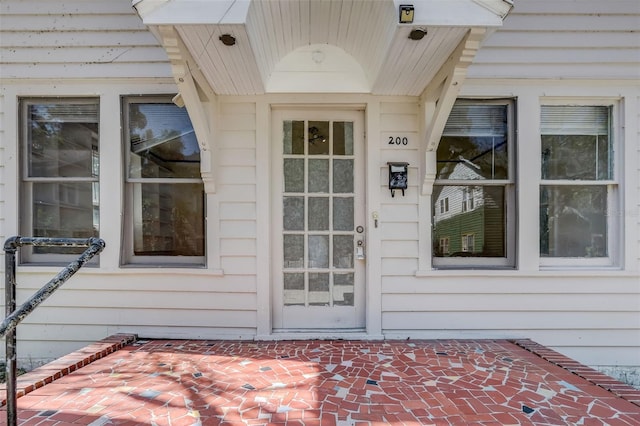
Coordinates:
x,y
448,382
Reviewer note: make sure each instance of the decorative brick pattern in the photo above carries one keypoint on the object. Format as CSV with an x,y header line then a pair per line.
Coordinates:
x,y
54,370
594,376
449,382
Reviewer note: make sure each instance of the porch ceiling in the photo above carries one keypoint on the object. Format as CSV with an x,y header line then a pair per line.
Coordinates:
x,y
307,33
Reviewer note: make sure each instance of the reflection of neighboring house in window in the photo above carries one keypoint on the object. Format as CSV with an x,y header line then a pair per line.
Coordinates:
x,y
444,205
472,210
444,245
467,199
468,243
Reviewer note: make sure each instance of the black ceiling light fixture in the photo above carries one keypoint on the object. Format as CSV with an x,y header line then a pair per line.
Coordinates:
x,y
417,34
227,39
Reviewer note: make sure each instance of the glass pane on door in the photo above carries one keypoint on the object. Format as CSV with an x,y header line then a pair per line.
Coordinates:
x,y
318,213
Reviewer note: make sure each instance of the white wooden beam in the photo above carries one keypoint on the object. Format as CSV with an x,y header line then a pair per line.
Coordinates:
x,y
172,12
197,96
500,7
439,96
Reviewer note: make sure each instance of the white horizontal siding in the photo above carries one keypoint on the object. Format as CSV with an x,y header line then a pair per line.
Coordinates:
x,y
513,319
72,22
583,317
594,40
136,299
460,282
595,319
131,318
237,211
238,175
141,280
492,302
155,290
156,304
89,55
398,231
3,123
56,341
564,39
237,188
591,318
151,302
238,247
27,7
577,21
237,156
77,39
399,214
573,6
237,139
637,152
237,228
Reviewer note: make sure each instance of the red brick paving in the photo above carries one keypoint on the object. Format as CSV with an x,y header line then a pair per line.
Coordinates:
x,y
452,382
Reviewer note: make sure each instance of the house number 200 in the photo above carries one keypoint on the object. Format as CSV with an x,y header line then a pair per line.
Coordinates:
x,y
398,140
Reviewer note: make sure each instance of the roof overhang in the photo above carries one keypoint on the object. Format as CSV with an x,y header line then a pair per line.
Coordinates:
x,y
355,46
252,47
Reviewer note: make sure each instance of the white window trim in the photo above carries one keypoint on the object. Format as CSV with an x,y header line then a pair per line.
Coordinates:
x,y
615,236
529,98
111,173
509,261
128,259
25,183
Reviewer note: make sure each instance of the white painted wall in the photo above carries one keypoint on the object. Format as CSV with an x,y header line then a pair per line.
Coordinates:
x,y
564,39
46,50
591,314
100,48
168,302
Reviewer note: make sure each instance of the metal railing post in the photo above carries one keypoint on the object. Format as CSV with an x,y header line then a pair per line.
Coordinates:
x,y
14,316
10,338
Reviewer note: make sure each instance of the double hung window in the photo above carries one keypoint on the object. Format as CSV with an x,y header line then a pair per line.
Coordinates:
x,y
59,174
444,245
468,243
467,199
578,189
164,193
475,179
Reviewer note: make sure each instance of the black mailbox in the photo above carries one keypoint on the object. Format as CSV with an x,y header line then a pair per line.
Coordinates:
x,y
397,177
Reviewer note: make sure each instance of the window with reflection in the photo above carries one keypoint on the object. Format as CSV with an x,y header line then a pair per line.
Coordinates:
x,y
473,195
60,186
578,183
164,203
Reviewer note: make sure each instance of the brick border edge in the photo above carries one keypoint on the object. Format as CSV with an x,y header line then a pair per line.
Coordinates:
x,y
54,370
591,375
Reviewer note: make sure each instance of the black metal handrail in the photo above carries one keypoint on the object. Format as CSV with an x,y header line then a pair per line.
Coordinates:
x,y
15,316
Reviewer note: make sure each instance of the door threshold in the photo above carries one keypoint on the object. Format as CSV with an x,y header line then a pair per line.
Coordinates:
x,y
320,334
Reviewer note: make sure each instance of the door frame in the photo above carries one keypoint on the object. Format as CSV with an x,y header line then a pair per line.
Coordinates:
x,y
315,112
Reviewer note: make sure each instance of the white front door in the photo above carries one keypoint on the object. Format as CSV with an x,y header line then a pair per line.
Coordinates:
x,y
318,220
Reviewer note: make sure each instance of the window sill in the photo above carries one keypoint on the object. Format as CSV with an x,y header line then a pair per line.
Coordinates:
x,y
127,270
599,272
